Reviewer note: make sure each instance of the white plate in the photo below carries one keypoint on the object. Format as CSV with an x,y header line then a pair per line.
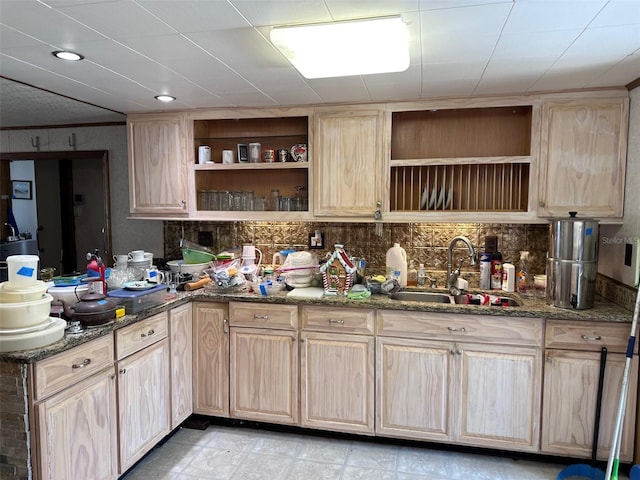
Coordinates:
x,y
432,200
440,198
447,202
140,285
33,328
423,199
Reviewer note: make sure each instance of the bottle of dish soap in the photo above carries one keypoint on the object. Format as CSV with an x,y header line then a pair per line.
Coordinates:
x,y
422,276
523,279
397,264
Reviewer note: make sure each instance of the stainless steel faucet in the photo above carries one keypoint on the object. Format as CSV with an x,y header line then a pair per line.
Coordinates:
x,y
451,275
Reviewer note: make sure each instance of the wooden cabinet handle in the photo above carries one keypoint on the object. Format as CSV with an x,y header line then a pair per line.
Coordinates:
x,y
542,203
261,317
593,338
225,325
452,329
340,321
84,363
148,334
122,371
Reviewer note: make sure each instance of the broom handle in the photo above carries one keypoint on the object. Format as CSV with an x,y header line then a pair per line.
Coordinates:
x,y
614,453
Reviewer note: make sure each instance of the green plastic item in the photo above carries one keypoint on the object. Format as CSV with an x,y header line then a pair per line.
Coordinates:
x,y
191,256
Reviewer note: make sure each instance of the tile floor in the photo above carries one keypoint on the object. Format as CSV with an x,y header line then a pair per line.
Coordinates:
x,y
241,453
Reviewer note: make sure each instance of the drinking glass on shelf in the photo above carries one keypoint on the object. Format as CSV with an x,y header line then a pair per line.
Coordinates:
x,y
275,200
259,204
214,200
225,200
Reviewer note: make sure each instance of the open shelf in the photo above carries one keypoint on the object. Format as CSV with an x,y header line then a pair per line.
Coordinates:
x,y
496,187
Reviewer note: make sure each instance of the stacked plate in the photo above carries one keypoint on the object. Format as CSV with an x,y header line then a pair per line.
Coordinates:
x,y
25,308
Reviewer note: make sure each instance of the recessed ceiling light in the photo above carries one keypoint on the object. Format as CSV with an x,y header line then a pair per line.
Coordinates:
x,y
165,98
67,55
360,47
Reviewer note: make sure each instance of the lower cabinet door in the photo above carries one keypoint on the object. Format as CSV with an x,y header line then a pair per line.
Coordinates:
x,y
143,401
264,375
77,431
570,395
181,334
336,382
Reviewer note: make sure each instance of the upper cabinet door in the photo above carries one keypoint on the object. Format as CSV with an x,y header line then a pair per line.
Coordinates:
x,y
583,157
157,165
348,162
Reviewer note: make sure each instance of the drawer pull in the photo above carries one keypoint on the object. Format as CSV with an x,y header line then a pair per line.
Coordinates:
x,y
452,329
84,363
225,325
122,371
586,337
148,334
261,317
340,321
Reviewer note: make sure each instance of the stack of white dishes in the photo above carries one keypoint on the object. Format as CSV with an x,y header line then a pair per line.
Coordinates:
x,y
25,307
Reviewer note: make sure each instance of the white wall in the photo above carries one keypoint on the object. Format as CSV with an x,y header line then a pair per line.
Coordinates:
x,y
614,237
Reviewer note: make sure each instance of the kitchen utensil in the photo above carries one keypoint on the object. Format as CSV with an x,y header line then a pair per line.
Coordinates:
x,y
70,294
190,286
191,256
192,268
93,309
573,262
25,314
590,471
614,453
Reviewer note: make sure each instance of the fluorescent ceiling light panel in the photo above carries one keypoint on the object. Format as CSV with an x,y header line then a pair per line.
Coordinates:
x,y
340,49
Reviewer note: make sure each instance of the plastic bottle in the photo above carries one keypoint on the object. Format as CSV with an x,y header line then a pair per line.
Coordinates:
x,y
485,271
422,276
508,277
397,264
412,275
496,271
523,279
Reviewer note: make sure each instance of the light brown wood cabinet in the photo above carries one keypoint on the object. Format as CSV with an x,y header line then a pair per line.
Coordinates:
x,y
157,165
348,171
583,157
571,371
181,340
211,359
443,377
337,369
264,362
144,395
76,429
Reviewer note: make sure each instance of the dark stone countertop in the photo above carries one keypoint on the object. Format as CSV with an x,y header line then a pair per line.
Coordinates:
x,y
603,310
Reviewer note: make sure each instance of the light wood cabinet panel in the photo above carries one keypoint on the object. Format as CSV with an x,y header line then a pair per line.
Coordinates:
x,y
583,157
497,396
68,368
143,401
263,315
569,399
141,334
348,171
585,335
413,389
158,169
76,431
343,320
211,359
264,375
337,382
181,338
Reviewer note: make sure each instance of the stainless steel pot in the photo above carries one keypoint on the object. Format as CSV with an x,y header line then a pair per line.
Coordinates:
x,y
573,262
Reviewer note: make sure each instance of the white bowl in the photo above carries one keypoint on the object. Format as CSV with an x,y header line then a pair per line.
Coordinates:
x,y
25,314
36,339
182,267
70,294
10,294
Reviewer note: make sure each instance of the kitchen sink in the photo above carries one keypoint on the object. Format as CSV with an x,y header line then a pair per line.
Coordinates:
x,y
463,299
412,296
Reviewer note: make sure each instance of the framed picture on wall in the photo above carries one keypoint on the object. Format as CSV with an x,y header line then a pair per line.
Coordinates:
x,y
21,189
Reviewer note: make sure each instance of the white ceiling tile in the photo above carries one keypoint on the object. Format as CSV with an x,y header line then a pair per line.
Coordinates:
x,y
570,74
620,73
341,89
618,12
447,89
471,22
442,4
621,41
10,38
544,16
281,12
518,46
400,85
195,15
118,19
442,48
352,9
441,72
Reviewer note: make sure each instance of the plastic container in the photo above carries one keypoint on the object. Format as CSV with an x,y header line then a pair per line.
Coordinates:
x,y
22,270
422,276
412,275
508,277
70,294
25,314
397,264
523,280
27,294
496,271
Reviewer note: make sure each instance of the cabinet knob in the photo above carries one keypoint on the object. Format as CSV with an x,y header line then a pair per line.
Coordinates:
x,y
184,204
122,371
542,203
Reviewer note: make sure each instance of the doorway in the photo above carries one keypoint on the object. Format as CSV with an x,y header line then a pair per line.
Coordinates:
x,y
71,191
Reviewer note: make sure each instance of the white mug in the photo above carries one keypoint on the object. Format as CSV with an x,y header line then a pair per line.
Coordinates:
x,y
136,255
254,153
121,260
153,275
227,156
204,154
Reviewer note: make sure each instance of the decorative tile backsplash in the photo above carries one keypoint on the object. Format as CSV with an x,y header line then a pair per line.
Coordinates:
x,y
424,242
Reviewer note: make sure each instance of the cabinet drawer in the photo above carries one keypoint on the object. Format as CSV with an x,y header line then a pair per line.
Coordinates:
x,y
137,336
330,319
67,368
583,335
473,328
263,315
